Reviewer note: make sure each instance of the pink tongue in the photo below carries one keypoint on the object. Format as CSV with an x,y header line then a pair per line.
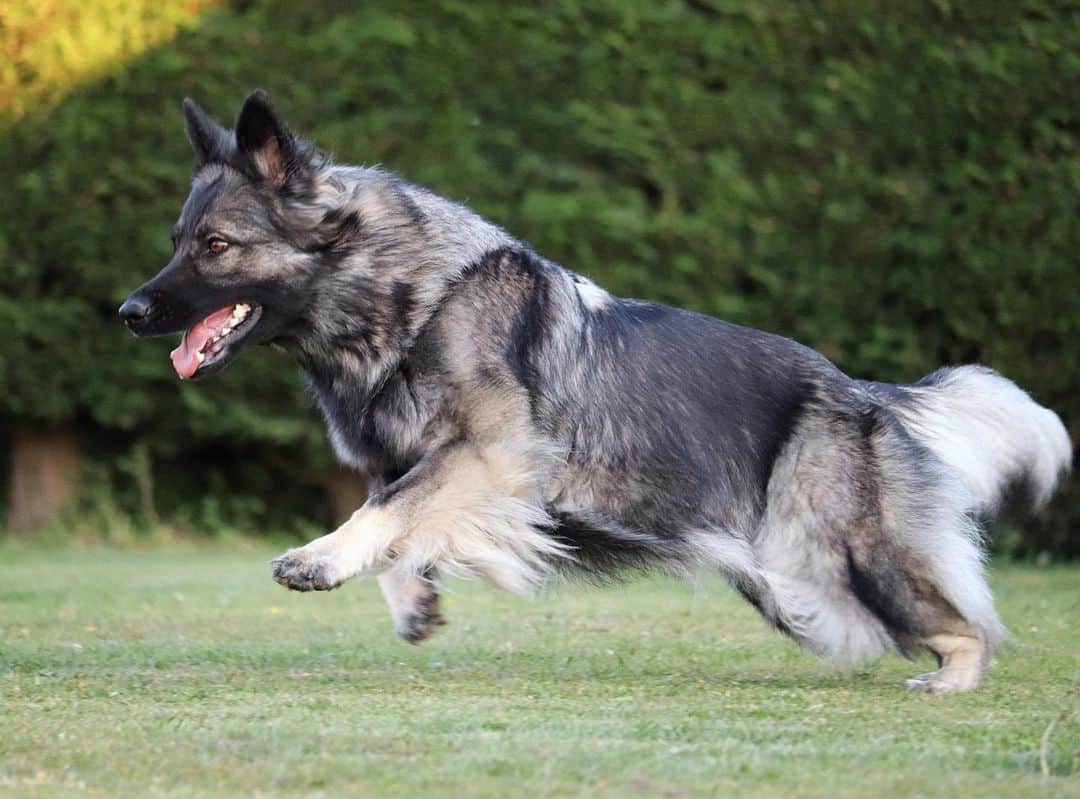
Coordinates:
x,y
185,358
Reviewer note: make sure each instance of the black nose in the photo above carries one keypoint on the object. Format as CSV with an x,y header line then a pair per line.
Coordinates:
x,y
135,309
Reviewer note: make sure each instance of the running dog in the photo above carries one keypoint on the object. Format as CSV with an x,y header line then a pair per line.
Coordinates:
x,y
515,421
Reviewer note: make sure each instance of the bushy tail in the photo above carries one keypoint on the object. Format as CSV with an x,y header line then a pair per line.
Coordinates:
x,y
989,432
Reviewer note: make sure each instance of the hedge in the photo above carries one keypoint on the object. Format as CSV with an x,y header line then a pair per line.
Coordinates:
x,y
895,184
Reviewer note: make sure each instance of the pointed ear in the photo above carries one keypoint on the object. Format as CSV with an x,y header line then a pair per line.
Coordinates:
x,y
262,137
209,140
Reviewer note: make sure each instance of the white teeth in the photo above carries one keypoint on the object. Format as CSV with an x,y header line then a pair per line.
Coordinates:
x,y
239,314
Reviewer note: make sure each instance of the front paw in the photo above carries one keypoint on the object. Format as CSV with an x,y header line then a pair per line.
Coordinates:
x,y
420,623
300,570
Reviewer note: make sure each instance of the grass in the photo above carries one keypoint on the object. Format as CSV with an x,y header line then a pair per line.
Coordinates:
x,y
184,672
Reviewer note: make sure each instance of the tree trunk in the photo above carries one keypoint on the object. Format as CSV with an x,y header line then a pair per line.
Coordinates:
x,y
44,475
345,492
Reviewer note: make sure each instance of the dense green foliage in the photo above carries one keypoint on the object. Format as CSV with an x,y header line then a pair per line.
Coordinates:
x,y
896,184
191,674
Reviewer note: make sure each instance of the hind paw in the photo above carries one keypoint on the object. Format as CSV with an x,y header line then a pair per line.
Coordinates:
x,y
964,659
299,570
924,683
944,681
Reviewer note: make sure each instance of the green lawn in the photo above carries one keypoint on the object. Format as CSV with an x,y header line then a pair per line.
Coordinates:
x,y
185,672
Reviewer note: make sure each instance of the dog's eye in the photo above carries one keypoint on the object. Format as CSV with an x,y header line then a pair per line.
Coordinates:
x,y
217,246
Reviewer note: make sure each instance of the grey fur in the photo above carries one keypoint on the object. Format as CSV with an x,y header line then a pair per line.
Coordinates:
x,y
652,437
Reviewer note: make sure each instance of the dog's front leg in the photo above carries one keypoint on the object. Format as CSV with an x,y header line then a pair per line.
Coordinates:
x,y
365,544
361,546
413,602
471,508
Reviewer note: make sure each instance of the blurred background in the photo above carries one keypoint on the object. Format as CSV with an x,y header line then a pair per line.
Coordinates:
x,y
894,184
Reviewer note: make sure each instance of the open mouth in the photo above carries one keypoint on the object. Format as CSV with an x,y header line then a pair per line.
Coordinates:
x,y
212,340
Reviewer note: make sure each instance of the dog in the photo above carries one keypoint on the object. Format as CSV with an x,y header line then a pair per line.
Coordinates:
x,y
515,421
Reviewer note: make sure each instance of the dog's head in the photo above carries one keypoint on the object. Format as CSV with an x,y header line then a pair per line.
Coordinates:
x,y
242,265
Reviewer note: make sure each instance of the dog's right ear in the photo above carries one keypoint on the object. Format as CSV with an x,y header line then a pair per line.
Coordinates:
x,y
210,140
270,149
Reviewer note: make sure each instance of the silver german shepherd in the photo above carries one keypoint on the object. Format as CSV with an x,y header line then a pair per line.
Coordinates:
x,y
515,421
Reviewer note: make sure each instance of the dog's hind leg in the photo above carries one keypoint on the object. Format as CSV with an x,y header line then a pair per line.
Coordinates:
x,y
963,659
866,546
882,594
414,603
927,518
903,592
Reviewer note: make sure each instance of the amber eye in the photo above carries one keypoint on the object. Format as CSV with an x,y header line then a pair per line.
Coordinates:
x,y
217,246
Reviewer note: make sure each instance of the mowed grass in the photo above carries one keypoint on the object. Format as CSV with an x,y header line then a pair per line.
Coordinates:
x,y
184,672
